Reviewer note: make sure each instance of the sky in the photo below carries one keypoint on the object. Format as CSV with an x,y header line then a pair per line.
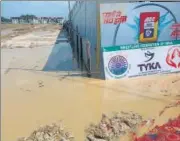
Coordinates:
x,y
38,8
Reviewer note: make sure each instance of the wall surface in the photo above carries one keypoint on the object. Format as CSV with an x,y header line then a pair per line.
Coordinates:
x,y
84,18
140,38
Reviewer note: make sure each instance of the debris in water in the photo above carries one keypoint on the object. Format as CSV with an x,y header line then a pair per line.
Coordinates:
x,y
112,128
40,83
53,132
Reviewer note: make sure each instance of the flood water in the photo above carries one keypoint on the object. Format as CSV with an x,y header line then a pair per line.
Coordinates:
x,y
78,101
63,58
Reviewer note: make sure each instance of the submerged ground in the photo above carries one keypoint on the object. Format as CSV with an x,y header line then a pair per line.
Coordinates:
x,y
38,86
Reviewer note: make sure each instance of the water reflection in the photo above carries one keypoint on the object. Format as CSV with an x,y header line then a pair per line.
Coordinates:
x,y
64,57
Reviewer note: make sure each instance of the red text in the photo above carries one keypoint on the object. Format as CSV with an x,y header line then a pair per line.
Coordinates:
x,y
114,17
175,31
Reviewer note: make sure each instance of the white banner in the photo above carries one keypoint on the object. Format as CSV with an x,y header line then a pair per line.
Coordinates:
x,y
128,62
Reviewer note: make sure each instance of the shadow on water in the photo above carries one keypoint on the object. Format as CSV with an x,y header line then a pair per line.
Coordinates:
x,y
63,58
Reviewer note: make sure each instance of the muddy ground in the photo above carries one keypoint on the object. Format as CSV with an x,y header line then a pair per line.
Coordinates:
x,y
8,31
32,97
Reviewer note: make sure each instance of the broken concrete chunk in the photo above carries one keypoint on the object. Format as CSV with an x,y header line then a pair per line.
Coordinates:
x,y
53,132
112,128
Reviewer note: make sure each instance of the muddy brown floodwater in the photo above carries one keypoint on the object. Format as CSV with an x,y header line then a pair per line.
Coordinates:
x,y
77,101
31,97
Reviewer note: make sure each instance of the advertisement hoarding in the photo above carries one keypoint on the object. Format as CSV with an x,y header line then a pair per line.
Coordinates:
x,y
140,22
141,59
140,39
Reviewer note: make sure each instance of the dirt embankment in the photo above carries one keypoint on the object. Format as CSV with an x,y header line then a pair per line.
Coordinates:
x,y
22,36
8,31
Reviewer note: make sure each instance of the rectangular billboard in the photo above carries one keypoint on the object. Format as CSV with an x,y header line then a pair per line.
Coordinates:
x,y
141,59
140,22
141,38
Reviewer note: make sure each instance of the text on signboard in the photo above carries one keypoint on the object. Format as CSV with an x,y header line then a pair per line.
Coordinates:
x,y
115,17
175,31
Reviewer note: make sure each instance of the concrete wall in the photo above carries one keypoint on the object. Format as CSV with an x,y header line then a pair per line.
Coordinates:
x,y
84,23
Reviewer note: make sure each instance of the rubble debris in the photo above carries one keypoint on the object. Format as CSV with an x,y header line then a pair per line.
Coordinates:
x,y
112,128
40,83
174,104
53,132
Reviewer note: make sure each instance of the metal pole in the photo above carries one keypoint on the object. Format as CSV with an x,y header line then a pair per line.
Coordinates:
x,y
69,5
69,17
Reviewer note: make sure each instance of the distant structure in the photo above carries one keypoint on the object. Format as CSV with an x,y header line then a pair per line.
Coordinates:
x,y
15,20
52,20
22,21
44,20
37,20
60,20
5,20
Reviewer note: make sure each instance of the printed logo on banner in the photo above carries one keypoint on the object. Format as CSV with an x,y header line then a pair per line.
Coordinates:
x,y
117,66
149,55
149,66
173,57
149,26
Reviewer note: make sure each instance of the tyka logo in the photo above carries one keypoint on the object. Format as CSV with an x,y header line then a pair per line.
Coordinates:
x,y
173,57
149,55
151,65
